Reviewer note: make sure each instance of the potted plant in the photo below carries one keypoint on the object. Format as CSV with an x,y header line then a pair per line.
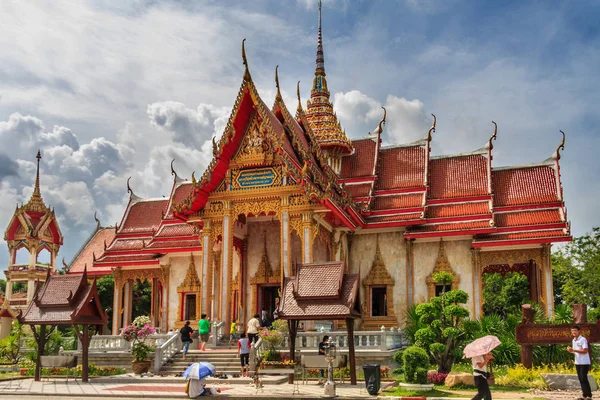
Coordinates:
x,y
274,337
136,333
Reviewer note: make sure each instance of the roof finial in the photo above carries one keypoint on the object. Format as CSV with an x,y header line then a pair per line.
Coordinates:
x,y
244,59
129,187
298,94
379,128
96,219
173,173
493,137
561,146
432,129
278,95
36,191
320,57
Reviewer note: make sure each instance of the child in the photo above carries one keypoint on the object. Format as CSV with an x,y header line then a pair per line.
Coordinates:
x,y
244,353
233,331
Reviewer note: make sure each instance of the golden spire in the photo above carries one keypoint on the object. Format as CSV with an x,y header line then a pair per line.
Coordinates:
x,y
432,129
244,59
298,94
319,112
278,95
36,203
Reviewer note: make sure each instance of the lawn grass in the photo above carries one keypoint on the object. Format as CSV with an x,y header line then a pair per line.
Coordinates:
x,y
443,391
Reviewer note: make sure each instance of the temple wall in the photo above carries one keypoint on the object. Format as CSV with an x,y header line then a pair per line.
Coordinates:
x,y
460,258
393,252
320,250
178,270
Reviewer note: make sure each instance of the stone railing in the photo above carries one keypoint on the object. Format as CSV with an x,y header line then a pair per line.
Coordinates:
x,y
165,350
382,340
217,331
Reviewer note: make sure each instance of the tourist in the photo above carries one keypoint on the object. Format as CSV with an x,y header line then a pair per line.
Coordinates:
x,y
582,360
197,388
244,353
322,346
253,327
481,376
233,331
275,315
203,331
186,338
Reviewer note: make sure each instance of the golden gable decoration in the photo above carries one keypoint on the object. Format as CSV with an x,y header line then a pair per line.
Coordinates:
x,y
191,284
264,275
441,265
254,148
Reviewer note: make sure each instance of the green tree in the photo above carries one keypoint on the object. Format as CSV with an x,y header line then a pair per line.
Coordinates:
x,y
105,287
576,271
446,325
142,295
2,286
505,295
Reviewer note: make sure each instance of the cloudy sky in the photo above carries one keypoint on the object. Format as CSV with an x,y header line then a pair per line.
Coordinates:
x,y
108,90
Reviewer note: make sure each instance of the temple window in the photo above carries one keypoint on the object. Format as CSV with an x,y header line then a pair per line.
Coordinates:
x,y
439,289
379,301
190,307
378,309
441,265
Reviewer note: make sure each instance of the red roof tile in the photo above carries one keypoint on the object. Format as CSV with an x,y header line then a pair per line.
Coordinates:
x,y
57,291
127,244
401,167
319,280
398,201
172,244
144,216
181,193
129,258
456,226
94,245
532,185
456,210
521,235
339,308
523,218
459,176
175,230
359,163
358,190
393,218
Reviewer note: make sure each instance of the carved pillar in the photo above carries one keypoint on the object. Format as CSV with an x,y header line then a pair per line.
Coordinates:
x,y
164,323
286,239
227,262
244,284
9,290
30,287
307,238
32,255
206,261
547,277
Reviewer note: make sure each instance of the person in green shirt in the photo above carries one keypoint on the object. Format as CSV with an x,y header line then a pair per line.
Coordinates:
x,y
203,331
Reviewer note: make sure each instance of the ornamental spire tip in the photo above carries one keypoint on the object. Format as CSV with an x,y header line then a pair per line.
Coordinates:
x,y
561,146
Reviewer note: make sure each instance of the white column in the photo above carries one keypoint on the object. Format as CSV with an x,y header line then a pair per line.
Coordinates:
x,y
164,324
476,285
285,243
9,290
206,252
127,303
549,290
116,317
30,289
225,255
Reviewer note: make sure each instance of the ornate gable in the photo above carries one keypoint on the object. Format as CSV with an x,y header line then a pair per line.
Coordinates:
x,y
378,275
191,283
441,265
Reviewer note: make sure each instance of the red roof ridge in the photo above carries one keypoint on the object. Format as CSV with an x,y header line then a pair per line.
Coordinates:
x,y
481,151
549,162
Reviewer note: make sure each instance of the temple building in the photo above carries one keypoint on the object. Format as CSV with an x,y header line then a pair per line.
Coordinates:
x,y
32,232
285,189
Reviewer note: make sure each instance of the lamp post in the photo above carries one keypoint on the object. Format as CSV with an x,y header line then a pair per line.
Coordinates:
x,y
330,353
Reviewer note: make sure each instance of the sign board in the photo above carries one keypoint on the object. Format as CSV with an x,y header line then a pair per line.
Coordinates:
x,y
540,334
259,177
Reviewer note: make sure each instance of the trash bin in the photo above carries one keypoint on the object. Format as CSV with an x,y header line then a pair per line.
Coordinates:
x,y
372,378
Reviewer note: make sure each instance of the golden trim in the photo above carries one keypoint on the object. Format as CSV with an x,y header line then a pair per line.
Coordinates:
x,y
441,265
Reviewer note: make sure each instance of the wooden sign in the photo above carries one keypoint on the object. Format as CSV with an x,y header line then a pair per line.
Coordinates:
x,y
529,334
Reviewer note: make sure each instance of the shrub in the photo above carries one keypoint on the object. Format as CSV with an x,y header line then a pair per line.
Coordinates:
x,y
436,378
414,360
397,357
421,376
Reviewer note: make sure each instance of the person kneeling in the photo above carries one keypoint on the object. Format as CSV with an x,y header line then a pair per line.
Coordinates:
x,y
197,388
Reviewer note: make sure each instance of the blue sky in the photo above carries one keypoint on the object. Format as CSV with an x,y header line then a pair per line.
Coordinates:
x,y
109,91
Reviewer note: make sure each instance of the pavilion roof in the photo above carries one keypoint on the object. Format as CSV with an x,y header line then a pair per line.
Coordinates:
x,y
320,291
64,300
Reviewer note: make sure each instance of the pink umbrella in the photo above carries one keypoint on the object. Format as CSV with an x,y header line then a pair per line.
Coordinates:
x,y
481,346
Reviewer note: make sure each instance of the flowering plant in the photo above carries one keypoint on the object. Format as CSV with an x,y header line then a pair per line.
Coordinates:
x,y
136,333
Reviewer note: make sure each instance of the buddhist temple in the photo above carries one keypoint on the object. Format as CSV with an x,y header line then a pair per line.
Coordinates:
x,y
33,229
285,188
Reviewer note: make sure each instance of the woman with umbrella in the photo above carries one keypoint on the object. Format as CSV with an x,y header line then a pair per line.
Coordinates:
x,y
480,353
196,384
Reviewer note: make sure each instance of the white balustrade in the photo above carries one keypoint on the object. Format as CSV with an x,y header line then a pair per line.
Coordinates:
x,y
167,348
363,340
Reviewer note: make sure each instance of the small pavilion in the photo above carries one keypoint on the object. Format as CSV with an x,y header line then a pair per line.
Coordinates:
x,y
64,300
321,291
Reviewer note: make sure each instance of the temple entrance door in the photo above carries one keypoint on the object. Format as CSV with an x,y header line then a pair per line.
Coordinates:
x,y
268,295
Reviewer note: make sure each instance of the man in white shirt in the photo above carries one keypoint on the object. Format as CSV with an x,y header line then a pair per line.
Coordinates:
x,y
480,373
582,360
253,327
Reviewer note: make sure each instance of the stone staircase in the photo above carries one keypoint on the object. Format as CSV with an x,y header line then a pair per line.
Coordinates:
x,y
223,357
